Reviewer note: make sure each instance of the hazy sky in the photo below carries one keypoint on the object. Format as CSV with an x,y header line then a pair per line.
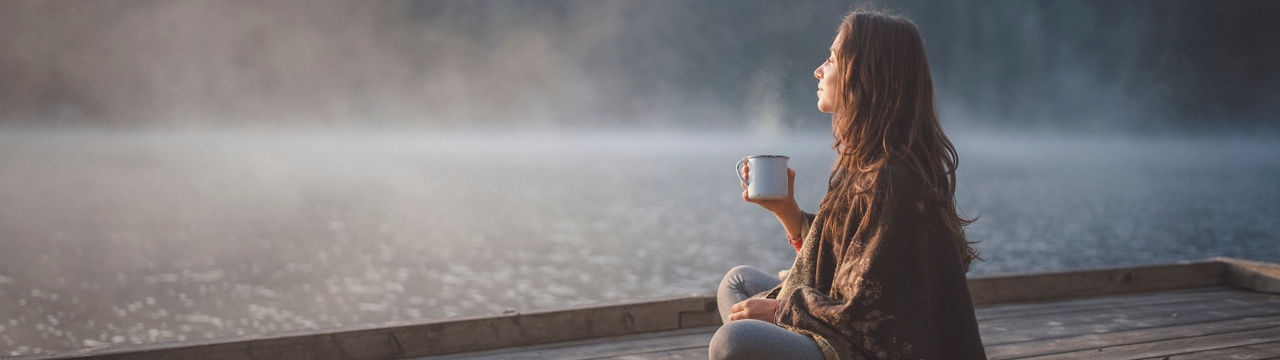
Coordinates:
x,y
1093,66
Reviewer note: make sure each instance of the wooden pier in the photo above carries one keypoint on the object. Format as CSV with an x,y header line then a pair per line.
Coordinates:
x,y
1220,308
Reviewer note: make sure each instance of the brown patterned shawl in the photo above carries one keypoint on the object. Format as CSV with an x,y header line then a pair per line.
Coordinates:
x,y
898,294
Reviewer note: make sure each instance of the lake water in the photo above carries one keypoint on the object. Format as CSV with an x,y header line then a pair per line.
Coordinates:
x,y
113,237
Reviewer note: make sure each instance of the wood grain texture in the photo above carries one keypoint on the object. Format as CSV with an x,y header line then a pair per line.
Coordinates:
x,y
649,346
1253,275
1062,325
1098,282
1173,346
1267,350
1095,341
1129,300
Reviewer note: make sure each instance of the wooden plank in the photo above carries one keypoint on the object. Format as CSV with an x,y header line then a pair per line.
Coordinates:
x,y
398,340
699,353
1129,300
1267,350
1252,275
549,327
677,340
1173,346
1094,341
1105,298
1040,327
1087,283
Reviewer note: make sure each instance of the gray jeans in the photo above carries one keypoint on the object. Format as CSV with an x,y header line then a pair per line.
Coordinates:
x,y
750,338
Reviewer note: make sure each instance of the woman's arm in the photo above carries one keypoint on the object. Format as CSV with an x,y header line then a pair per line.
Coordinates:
x,y
796,225
794,221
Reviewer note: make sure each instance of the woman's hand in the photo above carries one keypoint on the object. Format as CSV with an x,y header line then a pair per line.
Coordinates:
x,y
787,211
777,207
755,308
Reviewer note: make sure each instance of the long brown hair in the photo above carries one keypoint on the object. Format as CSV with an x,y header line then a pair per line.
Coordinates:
x,y
885,115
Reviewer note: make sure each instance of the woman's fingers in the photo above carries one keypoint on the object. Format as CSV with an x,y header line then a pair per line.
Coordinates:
x,y
745,310
791,183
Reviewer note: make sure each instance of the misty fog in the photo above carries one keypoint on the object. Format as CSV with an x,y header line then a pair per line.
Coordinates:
x,y
1080,66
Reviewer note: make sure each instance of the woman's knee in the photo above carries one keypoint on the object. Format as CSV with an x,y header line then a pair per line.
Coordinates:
x,y
755,339
739,270
739,339
737,274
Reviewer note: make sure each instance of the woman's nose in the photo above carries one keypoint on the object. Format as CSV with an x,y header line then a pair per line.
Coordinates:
x,y
817,73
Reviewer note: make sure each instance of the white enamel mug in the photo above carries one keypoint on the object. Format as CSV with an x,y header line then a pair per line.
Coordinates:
x,y
768,177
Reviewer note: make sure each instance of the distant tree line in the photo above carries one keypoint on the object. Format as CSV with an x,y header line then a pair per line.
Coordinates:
x,y
1132,66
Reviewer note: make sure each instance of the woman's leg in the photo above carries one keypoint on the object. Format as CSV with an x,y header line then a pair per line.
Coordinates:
x,y
755,339
739,284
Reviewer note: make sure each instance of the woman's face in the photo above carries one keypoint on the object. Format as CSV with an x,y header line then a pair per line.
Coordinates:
x,y
826,84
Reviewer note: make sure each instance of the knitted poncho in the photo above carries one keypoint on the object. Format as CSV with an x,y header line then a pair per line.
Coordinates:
x,y
897,294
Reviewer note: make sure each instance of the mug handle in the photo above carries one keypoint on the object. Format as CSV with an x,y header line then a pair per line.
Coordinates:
x,y
744,181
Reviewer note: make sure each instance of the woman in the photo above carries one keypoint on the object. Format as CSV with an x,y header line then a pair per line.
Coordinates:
x,y
880,268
